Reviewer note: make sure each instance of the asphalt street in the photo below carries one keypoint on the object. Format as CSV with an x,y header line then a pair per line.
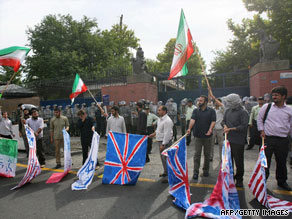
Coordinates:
x,y
149,198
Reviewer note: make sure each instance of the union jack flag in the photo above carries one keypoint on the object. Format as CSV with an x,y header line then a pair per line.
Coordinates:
x,y
33,167
177,169
125,158
224,195
258,187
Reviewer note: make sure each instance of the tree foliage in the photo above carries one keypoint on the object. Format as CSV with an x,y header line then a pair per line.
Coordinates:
x,y
63,47
273,16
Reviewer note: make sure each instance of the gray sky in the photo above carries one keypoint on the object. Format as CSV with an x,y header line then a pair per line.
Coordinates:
x,y
154,21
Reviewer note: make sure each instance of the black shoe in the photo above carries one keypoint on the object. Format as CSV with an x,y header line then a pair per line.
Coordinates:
x,y
206,174
164,181
58,166
195,177
147,159
239,184
211,159
290,161
249,147
285,186
162,175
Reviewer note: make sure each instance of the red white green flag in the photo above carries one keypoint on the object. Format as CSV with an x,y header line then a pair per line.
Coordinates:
x,y
78,88
13,56
183,49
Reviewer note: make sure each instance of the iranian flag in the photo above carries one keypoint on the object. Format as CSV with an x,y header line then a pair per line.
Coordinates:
x,y
183,49
13,56
8,157
78,88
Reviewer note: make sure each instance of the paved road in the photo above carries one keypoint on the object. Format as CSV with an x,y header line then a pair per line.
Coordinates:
x,y
149,198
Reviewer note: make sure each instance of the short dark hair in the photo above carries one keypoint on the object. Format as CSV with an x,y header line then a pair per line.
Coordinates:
x,y
164,108
57,109
280,90
33,110
190,100
81,113
115,108
205,97
140,105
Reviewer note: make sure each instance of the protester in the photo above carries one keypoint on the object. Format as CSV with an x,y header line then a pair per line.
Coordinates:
x,y
86,125
203,120
275,124
37,125
235,123
57,124
289,103
164,134
115,123
6,130
151,122
253,127
189,112
218,131
21,129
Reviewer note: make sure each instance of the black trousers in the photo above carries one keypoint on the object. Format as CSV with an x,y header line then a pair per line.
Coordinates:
x,y
85,145
237,156
183,126
280,147
40,151
254,134
150,130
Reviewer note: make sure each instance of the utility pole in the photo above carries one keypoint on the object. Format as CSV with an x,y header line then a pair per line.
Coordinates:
x,y
121,22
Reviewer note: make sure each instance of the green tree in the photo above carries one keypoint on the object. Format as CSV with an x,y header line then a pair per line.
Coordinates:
x,y
243,50
63,47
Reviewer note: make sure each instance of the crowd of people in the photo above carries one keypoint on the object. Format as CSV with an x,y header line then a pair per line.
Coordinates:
x,y
245,121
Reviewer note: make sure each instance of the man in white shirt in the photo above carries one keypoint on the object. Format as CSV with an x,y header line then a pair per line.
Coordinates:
x,y
37,125
6,130
163,135
115,123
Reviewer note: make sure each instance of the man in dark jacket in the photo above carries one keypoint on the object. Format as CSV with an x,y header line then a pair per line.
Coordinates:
x,y
86,126
142,120
235,124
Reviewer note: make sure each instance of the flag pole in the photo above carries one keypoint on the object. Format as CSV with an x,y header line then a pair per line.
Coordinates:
x,y
2,92
202,66
176,142
101,110
225,152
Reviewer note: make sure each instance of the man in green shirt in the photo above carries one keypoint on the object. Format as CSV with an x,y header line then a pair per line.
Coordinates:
x,y
58,122
253,128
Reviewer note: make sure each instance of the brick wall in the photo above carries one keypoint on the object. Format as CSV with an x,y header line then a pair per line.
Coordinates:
x,y
131,92
10,105
261,82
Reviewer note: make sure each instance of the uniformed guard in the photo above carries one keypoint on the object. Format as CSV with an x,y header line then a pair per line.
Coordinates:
x,y
75,120
172,113
126,113
182,115
69,114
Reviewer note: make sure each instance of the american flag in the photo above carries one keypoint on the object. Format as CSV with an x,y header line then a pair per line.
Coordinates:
x,y
224,195
125,158
258,187
178,179
33,168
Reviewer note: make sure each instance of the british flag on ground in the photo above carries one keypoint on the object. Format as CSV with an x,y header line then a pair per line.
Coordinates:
x,y
177,169
125,158
224,195
258,186
33,167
